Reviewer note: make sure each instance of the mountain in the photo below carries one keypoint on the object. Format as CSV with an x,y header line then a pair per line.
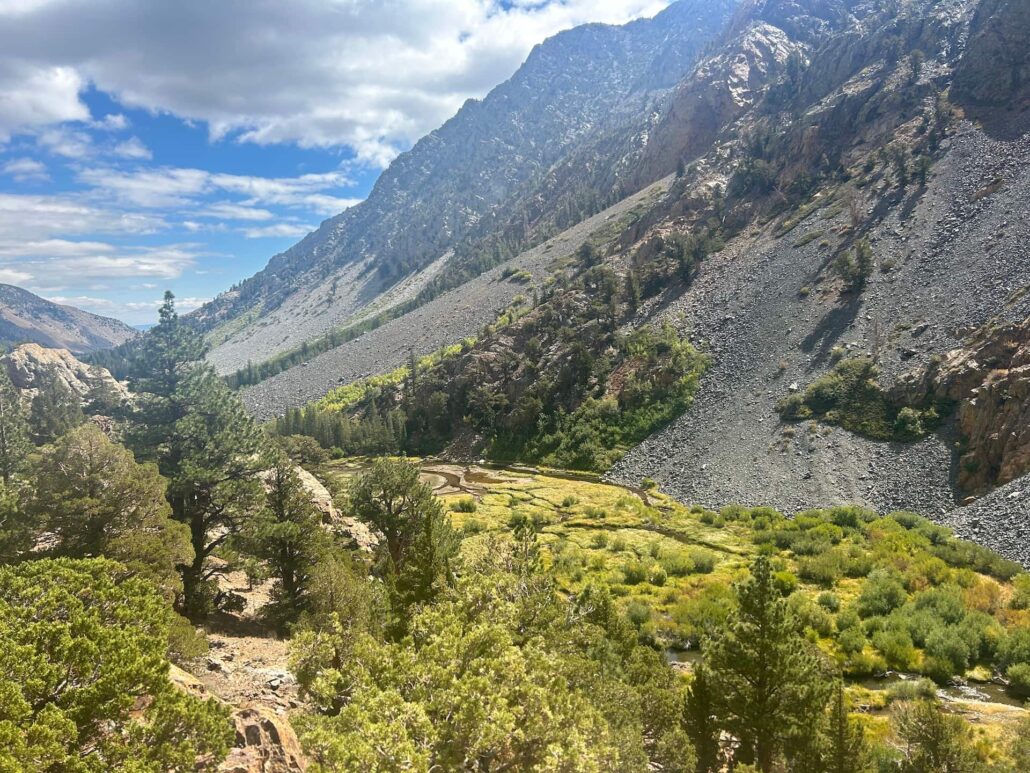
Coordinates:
x,y
578,86
27,318
829,203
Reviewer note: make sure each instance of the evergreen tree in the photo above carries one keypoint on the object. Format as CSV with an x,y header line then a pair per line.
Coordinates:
x,y
196,429
17,528
932,741
846,745
55,409
14,430
419,541
97,501
85,675
102,399
700,721
287,534
765,676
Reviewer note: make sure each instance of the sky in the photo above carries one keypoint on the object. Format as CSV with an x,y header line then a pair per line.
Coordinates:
x,y
179,144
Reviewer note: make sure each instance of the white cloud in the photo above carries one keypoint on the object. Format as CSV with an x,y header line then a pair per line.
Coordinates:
x,y
112,122
277,231
35,94
366,74
181,304
14,276
166,187
31,218
132,148
26,170
226,210
65,141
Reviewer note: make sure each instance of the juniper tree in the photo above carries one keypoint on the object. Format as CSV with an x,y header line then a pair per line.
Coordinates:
x,y
97,501
287,534
55,409
83,653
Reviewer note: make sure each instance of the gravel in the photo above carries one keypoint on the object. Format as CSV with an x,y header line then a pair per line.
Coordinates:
x,y
956,258
1000,520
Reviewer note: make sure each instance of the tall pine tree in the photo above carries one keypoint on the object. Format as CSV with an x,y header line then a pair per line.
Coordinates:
x,y
197,431
14,430
766,678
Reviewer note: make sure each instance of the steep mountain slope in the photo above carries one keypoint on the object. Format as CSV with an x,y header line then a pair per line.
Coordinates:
x,y
577,86
845,191
27,318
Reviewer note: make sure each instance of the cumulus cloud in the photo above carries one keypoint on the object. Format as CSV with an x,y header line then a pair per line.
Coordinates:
x,y
373,75
35,94
30,218
164,187
26,170
132,148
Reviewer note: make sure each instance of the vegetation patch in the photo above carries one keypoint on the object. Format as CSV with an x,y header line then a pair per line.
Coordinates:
x,y
851,397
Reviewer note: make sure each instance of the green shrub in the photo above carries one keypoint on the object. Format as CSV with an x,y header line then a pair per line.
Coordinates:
x,y
881,593
677,564
634,573
785,582
464,505
851,640
599,540
703,561
911,690
828,601
897,647
638,612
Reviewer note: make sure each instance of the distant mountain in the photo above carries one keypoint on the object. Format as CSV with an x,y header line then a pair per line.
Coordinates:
x,y
27,318
574,89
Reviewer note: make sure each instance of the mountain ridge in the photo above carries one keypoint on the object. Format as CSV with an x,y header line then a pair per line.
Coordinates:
x,y
27,318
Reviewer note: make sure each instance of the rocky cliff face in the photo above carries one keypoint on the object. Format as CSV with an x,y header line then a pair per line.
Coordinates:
x,y
580,85
995,69
25,317
29,364
988,380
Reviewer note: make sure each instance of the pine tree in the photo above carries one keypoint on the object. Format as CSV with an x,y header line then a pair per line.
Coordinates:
x,y
765,676
83,651
699,718
97,501
195,428
55,409
847,751
14,430
288,535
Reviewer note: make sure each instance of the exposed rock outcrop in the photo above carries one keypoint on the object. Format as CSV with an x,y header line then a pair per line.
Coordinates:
x,y
989,381
265,741
29,363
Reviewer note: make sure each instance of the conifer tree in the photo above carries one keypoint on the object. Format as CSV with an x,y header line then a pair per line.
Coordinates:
x,y
97,501
55,410
287,534
14,430
846,745
196,429
700,721
765,676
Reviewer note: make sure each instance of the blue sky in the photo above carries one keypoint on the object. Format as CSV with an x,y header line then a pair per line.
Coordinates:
x,y
178,144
